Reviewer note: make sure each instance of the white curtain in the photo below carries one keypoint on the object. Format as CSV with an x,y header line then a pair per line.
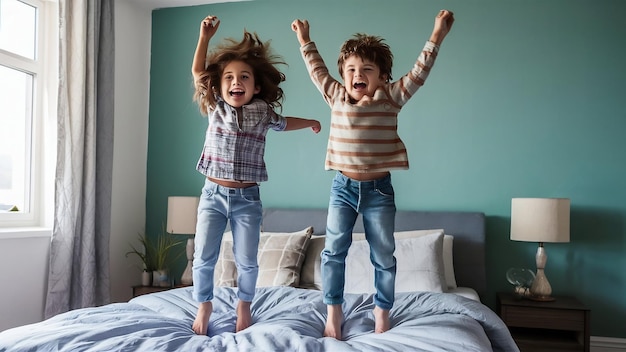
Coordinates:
x,y
79,256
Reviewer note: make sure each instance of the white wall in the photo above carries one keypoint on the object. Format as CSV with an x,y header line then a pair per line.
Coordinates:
x,y
132,88
23,271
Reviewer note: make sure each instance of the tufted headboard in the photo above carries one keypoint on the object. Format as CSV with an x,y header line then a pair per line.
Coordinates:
x,y
468,229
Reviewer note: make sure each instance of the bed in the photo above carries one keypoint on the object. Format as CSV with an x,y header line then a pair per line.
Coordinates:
x,y
441,279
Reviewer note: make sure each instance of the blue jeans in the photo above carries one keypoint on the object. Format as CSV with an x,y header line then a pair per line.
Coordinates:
x,y
375,201
218,205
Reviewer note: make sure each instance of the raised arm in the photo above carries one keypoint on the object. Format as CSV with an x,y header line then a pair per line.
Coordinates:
x,y
208,27
297,123
301,27
443,24
403,89
315,65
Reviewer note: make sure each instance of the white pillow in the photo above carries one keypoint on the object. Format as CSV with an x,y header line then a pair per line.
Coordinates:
x,y
311,276
419,266
448,241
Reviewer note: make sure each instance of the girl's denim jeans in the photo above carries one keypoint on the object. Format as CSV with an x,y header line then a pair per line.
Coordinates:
x,y
218,205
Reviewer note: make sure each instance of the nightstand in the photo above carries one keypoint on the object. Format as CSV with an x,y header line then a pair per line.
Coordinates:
x,y
142,290
560,325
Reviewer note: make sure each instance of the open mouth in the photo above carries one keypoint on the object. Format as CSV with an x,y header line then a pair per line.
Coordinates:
x,y
359,85
236,93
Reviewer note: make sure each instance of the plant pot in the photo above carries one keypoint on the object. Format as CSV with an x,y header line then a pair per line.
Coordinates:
x,y
163,279
155,278
146,278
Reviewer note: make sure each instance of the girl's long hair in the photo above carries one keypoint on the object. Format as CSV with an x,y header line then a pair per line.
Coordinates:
x,y
252,51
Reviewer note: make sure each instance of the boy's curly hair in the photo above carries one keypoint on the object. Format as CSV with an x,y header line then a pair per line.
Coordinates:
x,y
367,47
252,51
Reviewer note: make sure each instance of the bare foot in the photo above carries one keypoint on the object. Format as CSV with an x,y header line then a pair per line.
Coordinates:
x,y
382,320
333,321
201,324
244,317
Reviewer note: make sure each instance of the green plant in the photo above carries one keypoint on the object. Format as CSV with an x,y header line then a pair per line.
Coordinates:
x,y
145,253
156,252
162,250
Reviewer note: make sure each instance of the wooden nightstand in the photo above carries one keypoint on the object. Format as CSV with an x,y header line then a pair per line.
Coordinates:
x,y
560,325
142,290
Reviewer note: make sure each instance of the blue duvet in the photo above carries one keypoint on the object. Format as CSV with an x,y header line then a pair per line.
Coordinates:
x,y
285,319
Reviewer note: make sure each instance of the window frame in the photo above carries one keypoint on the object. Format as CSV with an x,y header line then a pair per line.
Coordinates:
x,y
42,144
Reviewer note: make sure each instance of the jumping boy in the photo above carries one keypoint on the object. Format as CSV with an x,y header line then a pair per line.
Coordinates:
x,y
363,147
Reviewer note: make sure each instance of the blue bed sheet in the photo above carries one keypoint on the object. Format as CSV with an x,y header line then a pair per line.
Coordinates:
x,y
285,319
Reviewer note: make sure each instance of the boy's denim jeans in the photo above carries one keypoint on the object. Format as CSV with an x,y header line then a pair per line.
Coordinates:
x,y
375,201
218,205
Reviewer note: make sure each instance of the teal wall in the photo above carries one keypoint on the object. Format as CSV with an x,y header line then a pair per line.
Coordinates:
x,y
526,99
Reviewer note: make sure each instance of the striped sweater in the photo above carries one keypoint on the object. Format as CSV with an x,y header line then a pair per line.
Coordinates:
x,y
364,135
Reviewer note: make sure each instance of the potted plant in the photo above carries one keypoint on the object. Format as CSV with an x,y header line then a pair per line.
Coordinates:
x,y
163,245
155,255
144,252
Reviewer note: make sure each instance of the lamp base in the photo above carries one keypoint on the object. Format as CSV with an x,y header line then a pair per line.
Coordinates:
x,y
187,277
540,288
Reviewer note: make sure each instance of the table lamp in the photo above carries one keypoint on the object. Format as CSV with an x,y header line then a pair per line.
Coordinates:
x,y
181,219
540,220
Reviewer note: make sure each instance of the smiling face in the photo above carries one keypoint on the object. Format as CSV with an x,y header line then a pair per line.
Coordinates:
x,y
361,77
237,84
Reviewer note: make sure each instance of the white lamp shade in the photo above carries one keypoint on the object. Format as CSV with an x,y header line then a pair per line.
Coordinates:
x,y
182,215
540,219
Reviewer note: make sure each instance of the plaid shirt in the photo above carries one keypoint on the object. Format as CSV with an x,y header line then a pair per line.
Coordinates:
x,y
234,152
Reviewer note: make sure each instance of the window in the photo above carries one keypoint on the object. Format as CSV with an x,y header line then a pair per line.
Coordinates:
x,y
28,86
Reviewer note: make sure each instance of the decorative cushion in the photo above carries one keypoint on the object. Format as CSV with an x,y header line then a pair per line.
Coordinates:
x,y
419,265
280,259
448,261
311,276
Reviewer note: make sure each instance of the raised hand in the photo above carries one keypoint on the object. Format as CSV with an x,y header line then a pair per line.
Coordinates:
x,y
301,27
444,21
209,26
443,24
